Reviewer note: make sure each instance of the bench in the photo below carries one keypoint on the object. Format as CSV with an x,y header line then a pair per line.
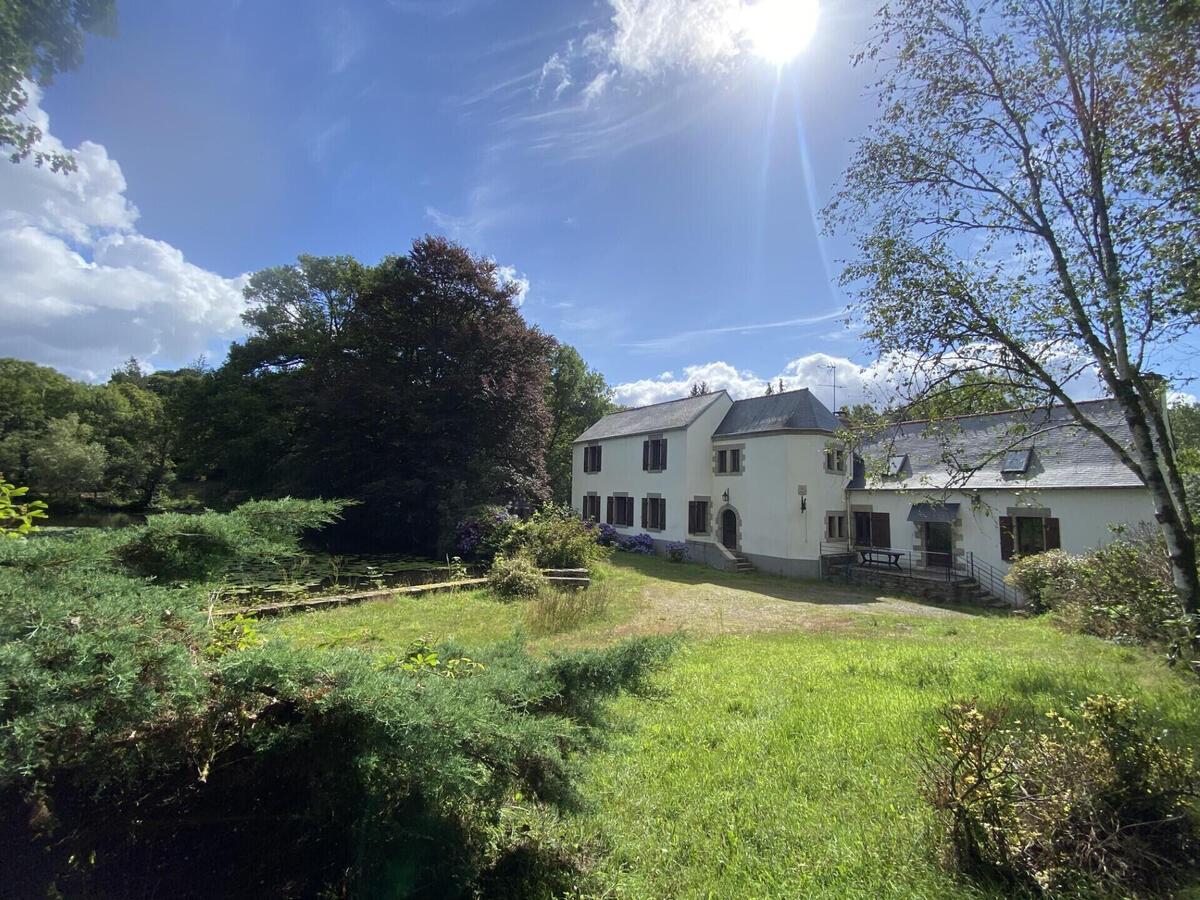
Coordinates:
x,y
880,558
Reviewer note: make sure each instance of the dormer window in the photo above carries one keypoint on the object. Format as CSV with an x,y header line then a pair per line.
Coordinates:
x,y
896,465
1016,462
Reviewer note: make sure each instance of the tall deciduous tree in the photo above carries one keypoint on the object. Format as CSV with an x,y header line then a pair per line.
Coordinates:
x,y
576,396
1026,205
38,39
414,386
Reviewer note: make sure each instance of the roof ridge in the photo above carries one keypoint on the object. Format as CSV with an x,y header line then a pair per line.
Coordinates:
x,y
712,394
1001,412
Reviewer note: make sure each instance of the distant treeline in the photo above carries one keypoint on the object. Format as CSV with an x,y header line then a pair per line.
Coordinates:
x,y
414,387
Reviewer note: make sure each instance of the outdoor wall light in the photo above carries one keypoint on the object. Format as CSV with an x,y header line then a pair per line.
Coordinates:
x,y
803,504
725,496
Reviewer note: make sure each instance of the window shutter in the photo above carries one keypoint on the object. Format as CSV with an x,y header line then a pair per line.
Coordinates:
x,y
663,462
1006,537
881,530
1053,538
645,506
608,517
645,455
599,456
662,504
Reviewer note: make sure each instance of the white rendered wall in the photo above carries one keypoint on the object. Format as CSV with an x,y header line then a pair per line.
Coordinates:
x,y
621,471
1084,515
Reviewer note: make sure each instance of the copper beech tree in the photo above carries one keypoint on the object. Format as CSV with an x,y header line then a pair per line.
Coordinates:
x,y
1026,209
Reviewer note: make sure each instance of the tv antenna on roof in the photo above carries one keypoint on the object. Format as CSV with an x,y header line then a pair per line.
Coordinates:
x,y
833,368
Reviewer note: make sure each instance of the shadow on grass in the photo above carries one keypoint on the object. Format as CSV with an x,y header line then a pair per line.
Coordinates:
x,y
781,587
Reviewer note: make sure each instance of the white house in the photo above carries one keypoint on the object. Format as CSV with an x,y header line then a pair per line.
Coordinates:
x,y
771,481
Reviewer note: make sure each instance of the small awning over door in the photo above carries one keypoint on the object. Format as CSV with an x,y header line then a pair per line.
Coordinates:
x,y
933,512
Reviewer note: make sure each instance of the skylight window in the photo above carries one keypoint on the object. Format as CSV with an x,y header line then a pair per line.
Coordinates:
x,y
896,464
1016,462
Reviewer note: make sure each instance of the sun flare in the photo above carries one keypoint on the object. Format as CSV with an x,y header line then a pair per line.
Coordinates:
x,y
779,30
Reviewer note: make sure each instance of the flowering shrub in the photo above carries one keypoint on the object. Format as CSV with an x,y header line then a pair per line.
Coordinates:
x,y
677,551
481,536
637,543
606,535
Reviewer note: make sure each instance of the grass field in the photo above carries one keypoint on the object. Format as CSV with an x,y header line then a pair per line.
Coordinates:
x,y
778,757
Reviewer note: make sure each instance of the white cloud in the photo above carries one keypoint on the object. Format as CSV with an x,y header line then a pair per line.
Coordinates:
x,y
651,36
83,290
855,383
507,275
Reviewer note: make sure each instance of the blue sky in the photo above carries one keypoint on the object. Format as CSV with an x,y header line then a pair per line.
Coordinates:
x,y
648,177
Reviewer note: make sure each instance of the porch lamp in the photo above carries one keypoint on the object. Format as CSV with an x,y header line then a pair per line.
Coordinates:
x,y
725,496
803,504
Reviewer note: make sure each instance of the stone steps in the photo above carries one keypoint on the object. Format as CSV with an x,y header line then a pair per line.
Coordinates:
x,y
741,564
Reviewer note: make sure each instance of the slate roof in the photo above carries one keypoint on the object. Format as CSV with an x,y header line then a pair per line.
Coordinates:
x,y
1064,454
786,411
651,419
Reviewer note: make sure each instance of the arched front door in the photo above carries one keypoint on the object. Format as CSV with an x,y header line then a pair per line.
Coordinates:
x,y
729,529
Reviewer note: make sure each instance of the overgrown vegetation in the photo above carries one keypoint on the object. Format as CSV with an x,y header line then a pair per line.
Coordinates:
x,y
1093,804
142,751
557,610
1122,592
515,577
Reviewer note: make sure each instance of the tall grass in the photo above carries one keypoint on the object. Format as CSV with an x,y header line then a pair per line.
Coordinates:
x,y
556,610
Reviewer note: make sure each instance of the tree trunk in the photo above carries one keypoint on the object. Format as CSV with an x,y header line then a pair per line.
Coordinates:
x,y
1181,543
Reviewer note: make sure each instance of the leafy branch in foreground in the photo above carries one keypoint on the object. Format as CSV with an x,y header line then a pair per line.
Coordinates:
x,y
16,519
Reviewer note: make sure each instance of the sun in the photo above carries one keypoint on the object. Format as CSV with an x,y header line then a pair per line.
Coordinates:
x,y
779,30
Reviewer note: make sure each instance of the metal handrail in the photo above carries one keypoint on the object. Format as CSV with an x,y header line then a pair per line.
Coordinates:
x,y
922,563
992,580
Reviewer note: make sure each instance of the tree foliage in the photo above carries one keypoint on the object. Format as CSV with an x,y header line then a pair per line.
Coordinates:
x,y
414,386
576,396
38,40
1026,209
143,752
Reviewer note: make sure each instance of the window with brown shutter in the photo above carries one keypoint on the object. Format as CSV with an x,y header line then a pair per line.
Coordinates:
x,y
623,511
698,517
722,461
1006,537
591,507
654,513
881,530
735,460
654,454
591,459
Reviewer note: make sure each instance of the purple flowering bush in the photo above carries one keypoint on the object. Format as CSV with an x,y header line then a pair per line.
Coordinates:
x,y
481,536
677,551
606,535
637,543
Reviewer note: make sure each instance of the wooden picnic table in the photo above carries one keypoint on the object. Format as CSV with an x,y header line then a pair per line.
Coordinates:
x,y
875,557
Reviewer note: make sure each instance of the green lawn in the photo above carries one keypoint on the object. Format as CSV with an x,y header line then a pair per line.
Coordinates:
x,y
778,758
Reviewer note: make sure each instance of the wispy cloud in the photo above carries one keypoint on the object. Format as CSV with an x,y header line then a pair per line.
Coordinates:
x,y
345,38
684,339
